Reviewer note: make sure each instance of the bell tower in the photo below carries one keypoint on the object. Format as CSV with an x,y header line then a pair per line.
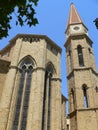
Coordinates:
x,y
81,75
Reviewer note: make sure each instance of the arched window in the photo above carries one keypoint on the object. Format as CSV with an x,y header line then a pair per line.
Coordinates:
x,y
84,87
47,98
80,56
70,59
73,97
89,50
20,119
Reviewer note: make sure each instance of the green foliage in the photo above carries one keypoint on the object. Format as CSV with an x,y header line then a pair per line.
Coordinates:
x,y
25,14
96,22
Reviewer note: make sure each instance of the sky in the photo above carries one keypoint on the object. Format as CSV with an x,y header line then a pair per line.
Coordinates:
x,y
53,16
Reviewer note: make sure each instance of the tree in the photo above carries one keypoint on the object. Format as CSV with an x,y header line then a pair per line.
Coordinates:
x,y
96,22
24,11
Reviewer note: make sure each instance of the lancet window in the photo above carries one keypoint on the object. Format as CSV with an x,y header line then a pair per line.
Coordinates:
x,y
80,56
85,96
47,98
22,103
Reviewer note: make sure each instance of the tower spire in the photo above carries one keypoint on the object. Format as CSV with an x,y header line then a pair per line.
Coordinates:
x,y
75,24
74,17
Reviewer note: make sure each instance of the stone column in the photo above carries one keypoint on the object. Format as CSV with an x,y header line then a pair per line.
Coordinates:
x,y
56,105
6,99
46,105
13,102
8,87
53,105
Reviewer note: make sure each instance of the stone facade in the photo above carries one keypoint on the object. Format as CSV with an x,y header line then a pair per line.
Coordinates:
x,y
45,100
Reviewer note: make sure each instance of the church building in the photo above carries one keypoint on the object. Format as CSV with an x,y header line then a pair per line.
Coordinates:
x,y
30,81
30,84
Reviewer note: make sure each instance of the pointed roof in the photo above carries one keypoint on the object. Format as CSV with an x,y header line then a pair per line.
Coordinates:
x,y
74,17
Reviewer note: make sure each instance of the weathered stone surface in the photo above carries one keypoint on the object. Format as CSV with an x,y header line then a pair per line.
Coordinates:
x,y
41,52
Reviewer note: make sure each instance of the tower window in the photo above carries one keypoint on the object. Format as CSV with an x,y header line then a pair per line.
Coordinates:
x,y
70,59
73,97
85,96
89,50
96,88
80,56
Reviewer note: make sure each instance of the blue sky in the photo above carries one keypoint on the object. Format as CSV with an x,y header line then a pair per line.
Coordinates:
x,y
53,16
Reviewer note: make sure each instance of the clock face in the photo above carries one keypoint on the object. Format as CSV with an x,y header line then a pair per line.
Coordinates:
x,y
76,28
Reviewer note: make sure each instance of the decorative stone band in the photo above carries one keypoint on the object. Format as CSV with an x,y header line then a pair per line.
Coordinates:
x,y
13,67
83,109
82,69
39,68
35,69
30,39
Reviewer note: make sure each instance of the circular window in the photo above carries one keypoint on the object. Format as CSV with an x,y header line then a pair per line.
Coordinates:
x,y
76,28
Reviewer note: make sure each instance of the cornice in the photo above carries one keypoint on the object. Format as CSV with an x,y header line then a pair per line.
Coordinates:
x,y
35,37
77,36
82,109
81,69
87,109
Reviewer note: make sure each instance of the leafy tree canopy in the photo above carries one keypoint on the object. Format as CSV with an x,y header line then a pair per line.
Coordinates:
x,y
96,22
25,14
